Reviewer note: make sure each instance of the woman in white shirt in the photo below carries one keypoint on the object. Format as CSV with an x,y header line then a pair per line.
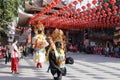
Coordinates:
x,y
14,57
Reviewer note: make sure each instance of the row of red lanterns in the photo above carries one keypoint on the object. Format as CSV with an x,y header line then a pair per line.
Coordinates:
x,y
85,16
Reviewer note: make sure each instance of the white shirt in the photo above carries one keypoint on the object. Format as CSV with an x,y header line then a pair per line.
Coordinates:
x,y
14,47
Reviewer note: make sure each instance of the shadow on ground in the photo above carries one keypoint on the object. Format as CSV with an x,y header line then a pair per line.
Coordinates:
x,y
20,78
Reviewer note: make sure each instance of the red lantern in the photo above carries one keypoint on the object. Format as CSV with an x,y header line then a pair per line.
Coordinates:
x,y
75,2
109,13
115,12
57,1
108,9
94,2
105,5
53,3
78,10
114,7
89,11
98,13
83,7
101,1
99,7
105,15
71,12
112,2
103,12
88,5
94,9
70,5
66,8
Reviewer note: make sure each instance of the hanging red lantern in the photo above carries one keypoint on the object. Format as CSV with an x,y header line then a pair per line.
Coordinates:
x,y
105,5
114,7
56,0
89,11
83,7
99,7
112,2
115,12
78,9
66,8
108,9
109,13
101,1
103,12
119,11
105,15
94,9
75,2
94,2
53,3
71,12
98,13
70,5
88,5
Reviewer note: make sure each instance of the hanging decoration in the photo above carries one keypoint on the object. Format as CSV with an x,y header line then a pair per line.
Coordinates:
x,y
105,14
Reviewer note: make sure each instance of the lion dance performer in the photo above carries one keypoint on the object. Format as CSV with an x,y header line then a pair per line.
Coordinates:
x,y
56,55
39,43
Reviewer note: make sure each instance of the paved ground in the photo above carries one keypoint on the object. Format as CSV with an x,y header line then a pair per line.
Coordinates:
x,y
86,67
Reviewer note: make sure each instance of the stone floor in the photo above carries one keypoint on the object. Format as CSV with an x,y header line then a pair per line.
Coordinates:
x,y
86,67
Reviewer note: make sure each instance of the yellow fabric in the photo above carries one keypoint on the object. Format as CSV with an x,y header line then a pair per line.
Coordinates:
x,y
47,54
56,53
36,57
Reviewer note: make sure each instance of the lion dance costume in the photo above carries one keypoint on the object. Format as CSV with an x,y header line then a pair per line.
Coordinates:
x,y
39,43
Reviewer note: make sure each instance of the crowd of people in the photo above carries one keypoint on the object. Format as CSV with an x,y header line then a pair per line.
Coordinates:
x,y
112,51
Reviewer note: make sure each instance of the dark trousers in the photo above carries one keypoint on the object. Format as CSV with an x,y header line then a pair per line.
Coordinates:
x,y
7,58
59,74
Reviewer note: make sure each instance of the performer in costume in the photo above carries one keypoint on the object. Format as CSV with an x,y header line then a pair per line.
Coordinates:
x,y
39,46
56,56
14,57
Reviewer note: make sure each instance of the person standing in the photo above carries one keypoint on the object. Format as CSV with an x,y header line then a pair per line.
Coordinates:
x,y
14,57
7,54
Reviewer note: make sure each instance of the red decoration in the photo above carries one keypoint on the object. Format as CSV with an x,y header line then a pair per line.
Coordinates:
x,y
78,9
70,5
94,9
103,12
108,9
57,0
114,7
114,12
112,2
99,7
88,5
101,1
94,2
83,7
109,13
105,5
75,2
89,11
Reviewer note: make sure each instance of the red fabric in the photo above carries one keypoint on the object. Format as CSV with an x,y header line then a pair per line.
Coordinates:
x,y
14,64
112,54
1,55
39,64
